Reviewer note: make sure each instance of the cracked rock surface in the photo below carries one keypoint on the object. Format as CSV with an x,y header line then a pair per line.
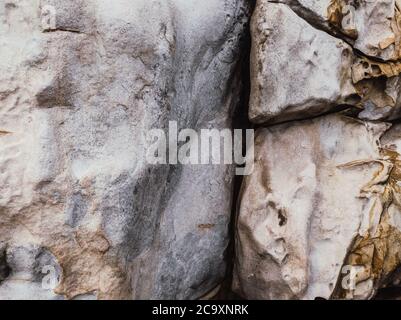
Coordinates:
x,y
302,218
301,69
319,216
84,215
78,201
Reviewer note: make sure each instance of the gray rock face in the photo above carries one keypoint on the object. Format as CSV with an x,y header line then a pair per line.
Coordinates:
x,y
81,83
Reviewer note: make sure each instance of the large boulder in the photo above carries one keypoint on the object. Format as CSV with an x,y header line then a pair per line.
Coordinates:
x,y
81,85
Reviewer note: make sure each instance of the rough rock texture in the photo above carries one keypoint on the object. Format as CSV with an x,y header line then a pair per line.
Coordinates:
x,y
336,203
297,70
76,100
320,215
373,27
302,66
83,215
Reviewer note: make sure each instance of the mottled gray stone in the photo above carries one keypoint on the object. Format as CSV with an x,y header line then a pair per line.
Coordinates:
x,y
77,101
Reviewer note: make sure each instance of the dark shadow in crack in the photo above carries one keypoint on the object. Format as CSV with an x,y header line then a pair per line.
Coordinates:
x,y
240,121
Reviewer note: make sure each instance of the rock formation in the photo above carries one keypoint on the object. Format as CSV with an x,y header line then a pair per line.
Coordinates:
x,y
319,217
329,198
81,83
85,215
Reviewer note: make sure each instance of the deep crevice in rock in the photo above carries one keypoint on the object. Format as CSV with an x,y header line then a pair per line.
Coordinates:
x,y
240,121
312,19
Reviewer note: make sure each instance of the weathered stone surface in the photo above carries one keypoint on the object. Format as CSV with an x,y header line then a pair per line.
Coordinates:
x,y
373,27
297,70
302,66
322,203
76,101
324,195
83,215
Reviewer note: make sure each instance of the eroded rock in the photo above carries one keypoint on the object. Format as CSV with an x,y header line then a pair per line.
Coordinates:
x,y
304,64
81,84
323,201
372,27
297,70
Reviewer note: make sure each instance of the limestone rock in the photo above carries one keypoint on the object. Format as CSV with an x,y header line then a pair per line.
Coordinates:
x,y
319,216
322,202
297,70
301,66
373,27
374,24
81,84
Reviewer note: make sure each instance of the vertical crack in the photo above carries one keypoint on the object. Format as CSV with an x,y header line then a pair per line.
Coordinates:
x,y
240,121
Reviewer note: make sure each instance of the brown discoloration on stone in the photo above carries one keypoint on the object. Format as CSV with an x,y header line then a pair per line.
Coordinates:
x,y
387,42
88,269
93,241
377,253
206,226
370,79
339,10
364,68
83,255
396,27
374,90
336,13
